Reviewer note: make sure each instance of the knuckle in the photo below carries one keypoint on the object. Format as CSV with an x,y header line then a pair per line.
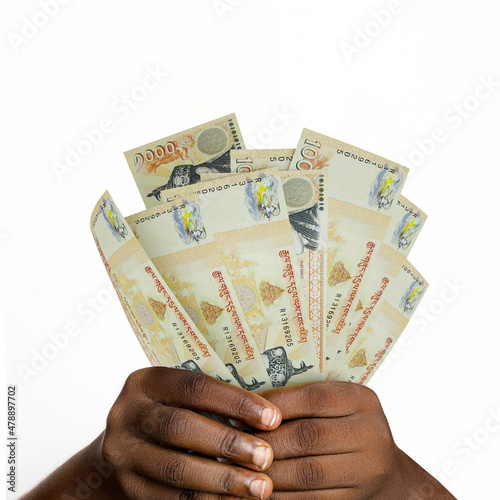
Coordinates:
x,y
229,444
200,495
308,435
368,396
228,481
114,417
132,487
175,471
173,425
313,396
134,380
193,387
310,474
112,451
242,405
343,429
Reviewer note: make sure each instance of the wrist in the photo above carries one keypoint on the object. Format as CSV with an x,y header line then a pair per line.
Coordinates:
x,y
85,475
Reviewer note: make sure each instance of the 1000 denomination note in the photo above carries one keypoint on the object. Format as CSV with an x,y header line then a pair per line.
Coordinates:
x,y
179,159
307,205
362,179
185,253
249,160
248,219
165,332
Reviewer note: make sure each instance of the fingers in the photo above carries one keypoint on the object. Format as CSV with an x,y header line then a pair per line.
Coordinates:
x,y
198,391
313,436
183,471
140,488
180,428
320,399
316,473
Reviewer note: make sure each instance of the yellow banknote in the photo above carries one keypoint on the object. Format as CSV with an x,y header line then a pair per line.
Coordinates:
x,y
404,228
307,206
354,236
186,255
384,326
248,218
360,178
165,332
179,159
406,223
249,160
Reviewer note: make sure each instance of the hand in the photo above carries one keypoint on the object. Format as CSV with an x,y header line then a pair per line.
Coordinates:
x,y
153,423
335,444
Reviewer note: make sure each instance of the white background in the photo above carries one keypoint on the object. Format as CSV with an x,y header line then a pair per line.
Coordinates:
x,y
263,60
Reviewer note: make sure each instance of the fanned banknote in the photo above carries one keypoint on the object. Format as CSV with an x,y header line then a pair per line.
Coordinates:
x,y
248,219
186,255
384,326
165,332
403,231
360,178
264,267
354,236
306,202
179,159
249,160
307,206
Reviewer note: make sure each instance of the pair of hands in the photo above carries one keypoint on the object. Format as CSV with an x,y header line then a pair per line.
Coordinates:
x,y
325,440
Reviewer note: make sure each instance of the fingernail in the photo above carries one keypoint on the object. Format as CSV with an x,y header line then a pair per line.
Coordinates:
x,y
258,488
268,417
262,456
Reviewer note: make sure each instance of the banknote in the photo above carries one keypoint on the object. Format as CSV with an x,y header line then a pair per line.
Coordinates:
x,y
404,228
248,160
186,255
406,223
307,206
179,159
165,332
247,216
365,180
354,236
384,327
306,200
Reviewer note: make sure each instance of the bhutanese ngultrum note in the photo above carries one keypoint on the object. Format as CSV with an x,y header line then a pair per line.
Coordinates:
x,y
404,229
307,205
364,180
249,160
165,332
305,196
248,219
189,261
179,159
354,236
385,326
